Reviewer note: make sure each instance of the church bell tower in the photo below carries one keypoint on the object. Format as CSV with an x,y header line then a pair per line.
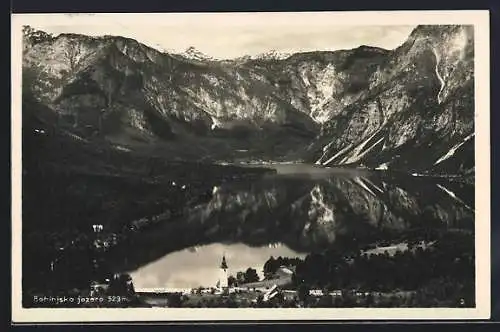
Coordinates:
x,y
223,282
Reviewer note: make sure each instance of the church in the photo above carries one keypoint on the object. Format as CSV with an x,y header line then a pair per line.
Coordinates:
x,y
222,282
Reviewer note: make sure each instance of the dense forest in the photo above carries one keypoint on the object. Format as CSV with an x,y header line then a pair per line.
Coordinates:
x,y
440,274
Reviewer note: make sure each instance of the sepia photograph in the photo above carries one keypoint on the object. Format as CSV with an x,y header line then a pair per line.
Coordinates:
x,y
299,163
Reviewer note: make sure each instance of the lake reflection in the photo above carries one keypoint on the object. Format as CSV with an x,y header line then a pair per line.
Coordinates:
x,y
199,266
305,209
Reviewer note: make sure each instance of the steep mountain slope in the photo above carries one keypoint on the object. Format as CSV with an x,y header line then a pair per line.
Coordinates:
x,y
417,113
408,109
75,74
322,83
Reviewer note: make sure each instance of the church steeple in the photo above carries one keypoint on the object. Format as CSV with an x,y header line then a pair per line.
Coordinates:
x,y
223,282
223,265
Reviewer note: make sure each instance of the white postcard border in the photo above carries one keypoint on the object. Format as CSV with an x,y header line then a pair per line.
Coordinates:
x,y
478,18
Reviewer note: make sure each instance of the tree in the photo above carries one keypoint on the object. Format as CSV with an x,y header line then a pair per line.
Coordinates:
x,y
175,300
240,277
171,71
231,302
278,300
121,285
32,36
303,293
370,300
348,299
231,281
269,266
326,301
27,30
251,275
30,77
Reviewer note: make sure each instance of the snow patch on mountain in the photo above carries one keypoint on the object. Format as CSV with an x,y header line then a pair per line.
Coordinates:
x,y
357,152
269,55
451,152
373,185
440,78
452,195
358,156
325,151
215,123
360,182
337,154
194,54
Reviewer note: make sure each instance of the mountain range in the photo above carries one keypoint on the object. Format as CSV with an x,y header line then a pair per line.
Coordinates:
x,y
409,109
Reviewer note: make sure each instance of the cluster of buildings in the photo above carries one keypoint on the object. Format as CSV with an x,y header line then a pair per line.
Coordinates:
x,y
265,291
268,288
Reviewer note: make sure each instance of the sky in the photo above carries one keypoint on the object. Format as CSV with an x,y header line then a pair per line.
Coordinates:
x,y
234,35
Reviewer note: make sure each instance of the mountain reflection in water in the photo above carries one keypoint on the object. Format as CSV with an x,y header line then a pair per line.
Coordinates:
x,y
193,268
304,210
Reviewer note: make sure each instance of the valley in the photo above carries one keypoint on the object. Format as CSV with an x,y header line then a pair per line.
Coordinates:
x,y
132,155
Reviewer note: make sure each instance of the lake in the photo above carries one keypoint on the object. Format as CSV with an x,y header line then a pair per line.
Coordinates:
x,y
199,266
299,210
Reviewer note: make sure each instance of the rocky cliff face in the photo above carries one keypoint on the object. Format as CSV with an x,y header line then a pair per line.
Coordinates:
x,y
407,109
77,74
320,84
417,113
